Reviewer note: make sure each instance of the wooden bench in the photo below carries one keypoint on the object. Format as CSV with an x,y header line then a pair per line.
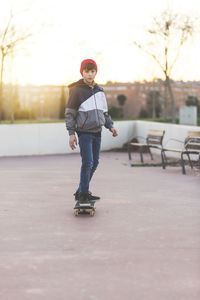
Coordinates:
x,y
191,146
154,139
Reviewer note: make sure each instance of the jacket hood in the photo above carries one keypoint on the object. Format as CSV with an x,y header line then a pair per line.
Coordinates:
x,y
79,83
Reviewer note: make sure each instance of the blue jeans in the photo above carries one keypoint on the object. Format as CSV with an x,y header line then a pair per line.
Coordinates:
x,y
90,150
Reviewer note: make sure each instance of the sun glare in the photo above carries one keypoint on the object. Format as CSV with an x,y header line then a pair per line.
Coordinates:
x,y
68,35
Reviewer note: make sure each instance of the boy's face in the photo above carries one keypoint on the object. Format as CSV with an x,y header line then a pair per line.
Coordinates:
x,y
89,76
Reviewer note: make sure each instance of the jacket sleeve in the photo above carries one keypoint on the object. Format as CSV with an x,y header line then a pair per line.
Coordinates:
x,y
109,122
71,110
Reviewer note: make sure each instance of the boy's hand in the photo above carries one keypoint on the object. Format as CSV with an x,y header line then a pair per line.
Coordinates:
x,y
72,141
114,131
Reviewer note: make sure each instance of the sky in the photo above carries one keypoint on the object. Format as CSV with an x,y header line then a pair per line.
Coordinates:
x,y
66,32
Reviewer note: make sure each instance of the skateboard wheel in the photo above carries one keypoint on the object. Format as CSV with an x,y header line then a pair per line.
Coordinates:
x,y
75,213
92,213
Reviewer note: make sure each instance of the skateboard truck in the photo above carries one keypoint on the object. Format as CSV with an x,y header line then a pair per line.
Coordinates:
x,y
84,208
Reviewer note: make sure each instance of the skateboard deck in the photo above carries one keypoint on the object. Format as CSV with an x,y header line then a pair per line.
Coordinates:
x,y
84,208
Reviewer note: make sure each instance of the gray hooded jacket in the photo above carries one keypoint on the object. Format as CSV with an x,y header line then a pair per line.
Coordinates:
x,y
87,109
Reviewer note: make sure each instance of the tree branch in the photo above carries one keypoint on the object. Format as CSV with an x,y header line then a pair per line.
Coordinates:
x,y
7,27
151,54
177,56
13,44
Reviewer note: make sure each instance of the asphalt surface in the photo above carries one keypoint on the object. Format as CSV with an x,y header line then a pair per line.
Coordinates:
x,y
143,242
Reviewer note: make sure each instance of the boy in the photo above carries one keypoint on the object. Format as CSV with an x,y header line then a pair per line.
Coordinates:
x,y
85,114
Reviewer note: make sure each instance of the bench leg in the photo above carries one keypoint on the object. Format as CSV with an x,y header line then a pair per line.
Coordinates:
x,y
141,155
164,156
150,153
129,151
163,159
191,165
183,164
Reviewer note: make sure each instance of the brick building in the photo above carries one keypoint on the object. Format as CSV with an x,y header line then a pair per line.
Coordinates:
x,y
137,92
44,100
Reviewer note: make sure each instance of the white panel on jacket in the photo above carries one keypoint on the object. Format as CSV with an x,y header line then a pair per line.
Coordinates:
x,y
91,104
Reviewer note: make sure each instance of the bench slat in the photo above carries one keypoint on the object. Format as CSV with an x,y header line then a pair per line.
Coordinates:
x,y
192,141
193,133
138,144
156,132
173,150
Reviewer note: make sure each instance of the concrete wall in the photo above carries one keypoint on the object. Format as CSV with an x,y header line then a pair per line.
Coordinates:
x,y
52,138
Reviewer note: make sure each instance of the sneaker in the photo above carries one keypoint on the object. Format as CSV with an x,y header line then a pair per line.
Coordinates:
x,y
76,195
91,197
83,197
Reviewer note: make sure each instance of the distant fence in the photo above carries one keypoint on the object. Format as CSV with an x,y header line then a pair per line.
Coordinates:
x,y
52,138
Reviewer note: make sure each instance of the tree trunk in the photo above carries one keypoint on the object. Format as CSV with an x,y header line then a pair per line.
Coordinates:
x,y
12,106
1,85
165,102
171,98
154,106
62,103
12,118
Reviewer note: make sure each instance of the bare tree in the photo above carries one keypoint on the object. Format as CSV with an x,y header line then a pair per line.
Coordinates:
x,y
168,33
62,103
121,100
10,39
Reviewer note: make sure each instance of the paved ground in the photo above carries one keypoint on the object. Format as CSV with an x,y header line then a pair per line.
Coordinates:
x,y
142,244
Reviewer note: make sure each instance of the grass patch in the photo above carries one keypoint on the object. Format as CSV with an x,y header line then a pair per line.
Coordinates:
x,y
33,121
173,164
159,120
27,121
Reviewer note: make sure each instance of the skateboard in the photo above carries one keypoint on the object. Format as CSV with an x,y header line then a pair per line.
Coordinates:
x,y
84,208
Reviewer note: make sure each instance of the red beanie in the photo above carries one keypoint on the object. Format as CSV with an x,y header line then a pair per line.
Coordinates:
x,y
87,61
